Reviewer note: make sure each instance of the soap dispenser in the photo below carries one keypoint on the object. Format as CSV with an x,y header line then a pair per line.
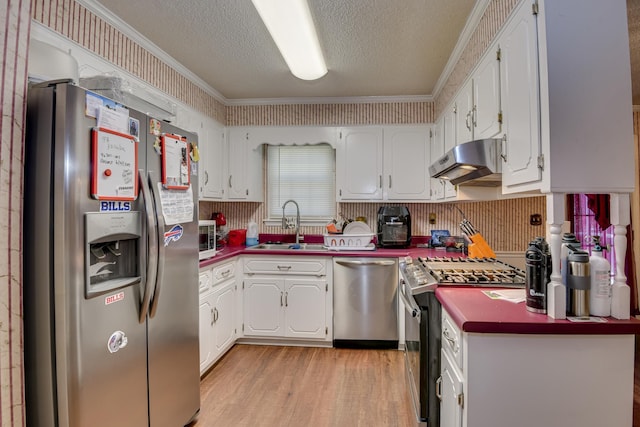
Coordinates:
x,y
600,292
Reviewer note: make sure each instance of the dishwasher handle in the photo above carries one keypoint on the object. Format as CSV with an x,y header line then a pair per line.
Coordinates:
x,y
349,263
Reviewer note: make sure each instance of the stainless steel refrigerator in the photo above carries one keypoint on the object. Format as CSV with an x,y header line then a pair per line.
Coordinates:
x,y
110,265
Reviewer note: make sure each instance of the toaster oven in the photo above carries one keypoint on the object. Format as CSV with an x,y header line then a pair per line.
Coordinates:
x,y
206,238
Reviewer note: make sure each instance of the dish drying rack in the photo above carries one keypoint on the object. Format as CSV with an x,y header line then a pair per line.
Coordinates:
x,y
349,242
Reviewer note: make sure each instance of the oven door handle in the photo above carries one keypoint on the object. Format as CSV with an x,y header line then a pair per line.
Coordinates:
x,y
410,306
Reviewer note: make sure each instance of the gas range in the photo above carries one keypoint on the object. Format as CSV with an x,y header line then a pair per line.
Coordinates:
x,y
424,274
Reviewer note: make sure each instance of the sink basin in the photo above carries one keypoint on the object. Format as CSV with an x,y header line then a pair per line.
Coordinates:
x,y
289,247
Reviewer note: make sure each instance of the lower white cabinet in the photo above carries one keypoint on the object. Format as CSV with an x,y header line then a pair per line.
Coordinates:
x,y
285,297
451,397
217,313
291,308
532,380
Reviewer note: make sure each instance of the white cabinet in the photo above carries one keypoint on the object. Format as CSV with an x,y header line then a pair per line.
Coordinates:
x,y
287,297
211,166
218,300
520,101
359,164
406,161
437,150
244,166
487,118
451,396
584,95
383,163
450,385
449,141
477,105
520,379
463,114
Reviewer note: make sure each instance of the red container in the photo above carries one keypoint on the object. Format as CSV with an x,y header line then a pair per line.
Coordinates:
x,y
237,237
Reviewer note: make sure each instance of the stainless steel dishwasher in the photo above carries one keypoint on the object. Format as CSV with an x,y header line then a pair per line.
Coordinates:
x,y
365,302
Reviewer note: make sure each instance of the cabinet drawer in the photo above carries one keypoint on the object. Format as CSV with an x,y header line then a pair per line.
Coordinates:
x,y
204,280
285,265
452,339
223,271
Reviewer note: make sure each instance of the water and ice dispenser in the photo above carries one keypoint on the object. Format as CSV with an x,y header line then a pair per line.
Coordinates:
x,y
112,258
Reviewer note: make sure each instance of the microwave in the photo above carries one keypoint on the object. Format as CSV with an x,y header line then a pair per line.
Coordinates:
x,y
206,238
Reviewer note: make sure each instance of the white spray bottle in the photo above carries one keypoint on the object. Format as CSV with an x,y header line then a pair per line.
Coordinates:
x,y
600,294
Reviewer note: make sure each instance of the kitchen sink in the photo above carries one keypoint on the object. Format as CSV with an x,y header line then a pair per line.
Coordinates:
x,y
289,247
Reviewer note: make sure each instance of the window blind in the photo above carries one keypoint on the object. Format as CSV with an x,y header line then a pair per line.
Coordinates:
x,y
304,173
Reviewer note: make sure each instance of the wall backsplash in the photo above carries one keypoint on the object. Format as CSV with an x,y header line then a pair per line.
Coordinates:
x,y
503,223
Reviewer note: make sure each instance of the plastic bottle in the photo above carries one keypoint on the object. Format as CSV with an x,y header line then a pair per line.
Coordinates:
x,y
600,296
569,243
252,234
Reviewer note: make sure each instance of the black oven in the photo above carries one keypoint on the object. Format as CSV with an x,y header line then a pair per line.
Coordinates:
x,y
422,317
422,324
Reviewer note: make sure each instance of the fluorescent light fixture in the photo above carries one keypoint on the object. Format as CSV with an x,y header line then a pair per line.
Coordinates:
x,y
291,27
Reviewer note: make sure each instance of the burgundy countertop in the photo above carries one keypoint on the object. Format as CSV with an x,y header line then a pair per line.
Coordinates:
x,y
473,311
413,251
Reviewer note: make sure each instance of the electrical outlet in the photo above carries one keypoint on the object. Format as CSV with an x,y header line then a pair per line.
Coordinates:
x,y
432,218
535,219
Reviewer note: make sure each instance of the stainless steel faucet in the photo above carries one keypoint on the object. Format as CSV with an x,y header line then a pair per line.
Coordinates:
x,y
285,223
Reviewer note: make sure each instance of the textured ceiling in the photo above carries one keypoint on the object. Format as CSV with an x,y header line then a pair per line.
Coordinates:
x,y
372,47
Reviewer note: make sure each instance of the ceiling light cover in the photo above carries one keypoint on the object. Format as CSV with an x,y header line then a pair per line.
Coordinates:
x,y
292,29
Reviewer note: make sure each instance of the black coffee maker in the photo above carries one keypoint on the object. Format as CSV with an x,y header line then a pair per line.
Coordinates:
x,y
394,227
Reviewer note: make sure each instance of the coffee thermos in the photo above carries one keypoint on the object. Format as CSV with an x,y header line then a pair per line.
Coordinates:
x,y
538,275
578,283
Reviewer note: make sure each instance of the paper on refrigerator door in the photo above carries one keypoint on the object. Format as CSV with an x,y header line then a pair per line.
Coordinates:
x,y
177,206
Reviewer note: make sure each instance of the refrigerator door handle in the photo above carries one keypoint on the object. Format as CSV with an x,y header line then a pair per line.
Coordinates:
x,y
152,239
161,247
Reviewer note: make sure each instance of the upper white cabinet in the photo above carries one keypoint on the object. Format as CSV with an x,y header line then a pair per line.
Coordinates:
x,y
477,105
211,146
437,150
462,115
383,163
359,163
243,176
487,117
520,100
406,160
579,52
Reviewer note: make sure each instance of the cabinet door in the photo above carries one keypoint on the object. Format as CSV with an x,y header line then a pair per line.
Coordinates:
x,y
211,157
264,307
437,150
463,115
449,135
486,98
451,404
406,163
206,325
520,100
359,164
224,317
305,308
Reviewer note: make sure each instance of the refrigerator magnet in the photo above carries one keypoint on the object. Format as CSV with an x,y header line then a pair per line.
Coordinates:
x,y
175,162
114,162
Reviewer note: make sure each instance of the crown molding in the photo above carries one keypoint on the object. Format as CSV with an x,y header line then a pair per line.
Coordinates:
x,y
113,20
472,23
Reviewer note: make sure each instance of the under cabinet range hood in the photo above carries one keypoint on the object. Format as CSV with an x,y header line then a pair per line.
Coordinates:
x,y
472,163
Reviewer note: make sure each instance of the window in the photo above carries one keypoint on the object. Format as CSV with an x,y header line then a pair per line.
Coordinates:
x,y
305,174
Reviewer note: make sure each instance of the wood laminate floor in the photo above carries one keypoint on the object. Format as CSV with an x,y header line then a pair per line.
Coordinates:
x,y
300,386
